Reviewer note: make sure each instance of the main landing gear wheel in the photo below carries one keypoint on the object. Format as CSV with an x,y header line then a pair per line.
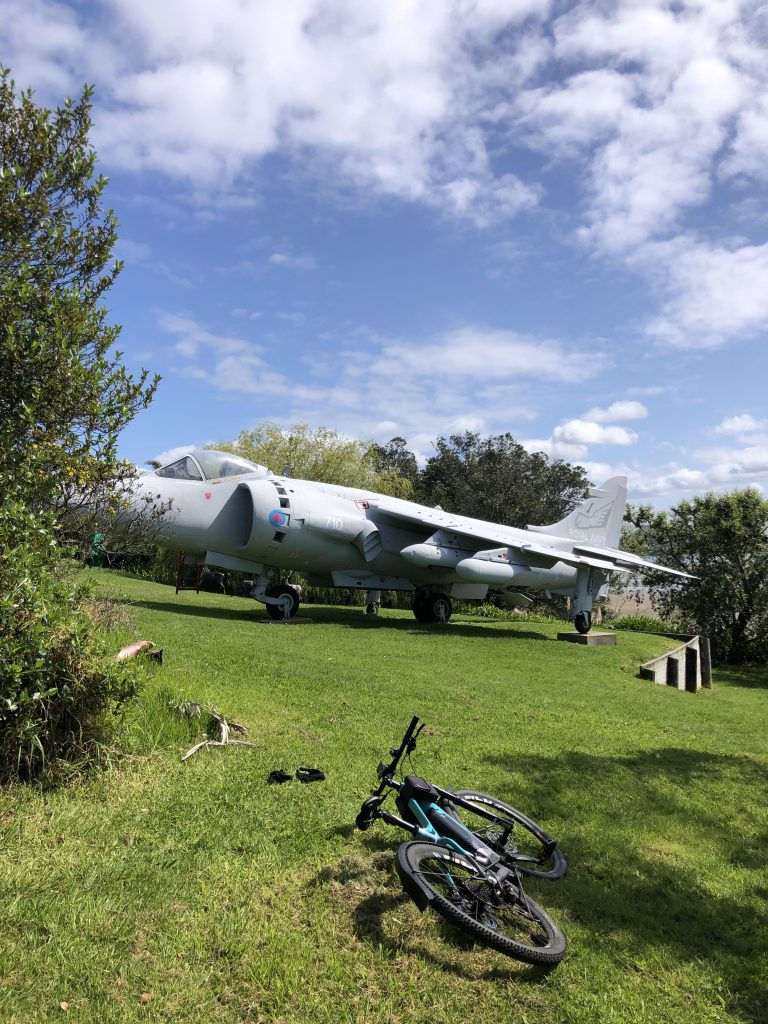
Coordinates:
x,y
372,608
433,608
494,913
511,832
583,622
288,601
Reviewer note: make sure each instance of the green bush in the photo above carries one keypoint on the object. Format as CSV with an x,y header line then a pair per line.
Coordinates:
x,y
57,686
640,624
487,610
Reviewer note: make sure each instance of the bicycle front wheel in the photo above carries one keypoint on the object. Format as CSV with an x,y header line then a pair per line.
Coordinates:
x,y
500,915
511,832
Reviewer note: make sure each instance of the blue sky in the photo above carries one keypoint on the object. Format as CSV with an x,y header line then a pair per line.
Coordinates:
x,y
420,218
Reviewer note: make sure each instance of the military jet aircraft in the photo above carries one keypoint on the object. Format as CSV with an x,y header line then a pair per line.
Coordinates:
x,y
233,514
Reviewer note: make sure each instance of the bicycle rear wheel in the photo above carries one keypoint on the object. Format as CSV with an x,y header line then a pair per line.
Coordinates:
x,y
512,832
499,915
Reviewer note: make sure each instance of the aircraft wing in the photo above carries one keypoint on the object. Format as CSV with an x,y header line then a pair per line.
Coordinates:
x,y
627,561
539,555
542,556
436,519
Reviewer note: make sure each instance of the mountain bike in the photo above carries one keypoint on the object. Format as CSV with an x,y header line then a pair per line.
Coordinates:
x,y
467,858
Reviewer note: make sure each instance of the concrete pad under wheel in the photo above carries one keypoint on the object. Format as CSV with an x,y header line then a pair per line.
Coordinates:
x,y
589,639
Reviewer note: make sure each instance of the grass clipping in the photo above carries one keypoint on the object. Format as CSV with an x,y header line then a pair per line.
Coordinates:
x,y
218,729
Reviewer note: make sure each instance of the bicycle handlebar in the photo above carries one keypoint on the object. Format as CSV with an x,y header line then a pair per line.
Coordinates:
x,y
408,744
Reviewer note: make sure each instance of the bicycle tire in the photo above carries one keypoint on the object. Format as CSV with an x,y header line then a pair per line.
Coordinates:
x,y
502,918
555,867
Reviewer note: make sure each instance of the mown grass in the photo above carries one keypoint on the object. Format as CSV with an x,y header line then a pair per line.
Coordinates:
x,y
224,899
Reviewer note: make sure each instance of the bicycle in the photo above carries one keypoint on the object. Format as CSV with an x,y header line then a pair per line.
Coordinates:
x,y
468,857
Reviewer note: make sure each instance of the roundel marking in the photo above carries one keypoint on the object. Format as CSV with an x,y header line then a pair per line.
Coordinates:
x,y
278,517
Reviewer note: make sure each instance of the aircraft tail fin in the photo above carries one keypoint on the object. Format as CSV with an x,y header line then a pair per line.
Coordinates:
x,y
595,520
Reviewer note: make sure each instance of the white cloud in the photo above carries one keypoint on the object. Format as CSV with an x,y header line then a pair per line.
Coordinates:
x,y
716,293
719,470
472,353
290,261
572,440
388,93
473,378
132,252
557,449
648,107
192,338
744,423
624,410
295,319
172,454
585,432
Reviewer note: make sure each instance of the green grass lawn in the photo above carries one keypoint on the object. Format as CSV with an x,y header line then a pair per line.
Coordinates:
x,y
225,899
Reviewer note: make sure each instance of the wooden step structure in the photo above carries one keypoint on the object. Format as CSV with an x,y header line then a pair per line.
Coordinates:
x,y
188,574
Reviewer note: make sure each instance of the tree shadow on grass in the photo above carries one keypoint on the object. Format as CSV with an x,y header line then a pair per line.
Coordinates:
x,y
750,677
630,877
338,617
201,611
368,885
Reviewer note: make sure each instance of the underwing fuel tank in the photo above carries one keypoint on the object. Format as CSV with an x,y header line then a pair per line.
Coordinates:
x,y
480,570
432,555
493,567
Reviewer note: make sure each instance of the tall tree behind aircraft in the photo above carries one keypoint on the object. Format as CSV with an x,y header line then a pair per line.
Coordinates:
x,y
394,457
723,540
64,394
320,454
496,479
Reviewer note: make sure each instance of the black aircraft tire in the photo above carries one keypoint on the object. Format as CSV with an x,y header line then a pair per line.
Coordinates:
x,y
274,610
583,622
521,930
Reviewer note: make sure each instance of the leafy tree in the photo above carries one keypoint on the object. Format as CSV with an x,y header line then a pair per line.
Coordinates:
x,y
495,478
64,397
394,457
64,393
723,540
319,454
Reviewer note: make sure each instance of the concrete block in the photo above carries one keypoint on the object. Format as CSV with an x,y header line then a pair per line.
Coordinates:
x,y
589,639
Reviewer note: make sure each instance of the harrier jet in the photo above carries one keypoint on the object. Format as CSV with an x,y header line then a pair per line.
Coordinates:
x,y
236,515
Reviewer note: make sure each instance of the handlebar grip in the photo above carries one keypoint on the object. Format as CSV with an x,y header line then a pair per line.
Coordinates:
x,y
411,729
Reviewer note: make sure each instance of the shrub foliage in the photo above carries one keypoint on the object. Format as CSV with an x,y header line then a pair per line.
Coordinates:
x,y
64,397
56,685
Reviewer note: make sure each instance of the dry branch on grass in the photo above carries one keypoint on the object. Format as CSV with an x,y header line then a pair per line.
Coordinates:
x,y
216,726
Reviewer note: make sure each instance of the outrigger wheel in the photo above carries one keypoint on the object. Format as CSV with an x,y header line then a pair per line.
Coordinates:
x,y
583,622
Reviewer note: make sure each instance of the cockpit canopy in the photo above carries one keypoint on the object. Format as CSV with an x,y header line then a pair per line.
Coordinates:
x,y
204,464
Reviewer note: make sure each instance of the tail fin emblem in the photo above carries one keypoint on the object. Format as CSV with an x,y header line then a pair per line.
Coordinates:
x,y
594,513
